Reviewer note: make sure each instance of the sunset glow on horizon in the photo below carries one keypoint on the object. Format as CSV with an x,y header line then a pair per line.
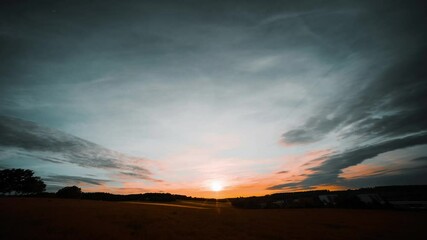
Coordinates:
x,y
214,99
216,186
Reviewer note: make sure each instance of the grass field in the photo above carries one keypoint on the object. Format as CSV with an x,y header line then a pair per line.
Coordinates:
x,y
30,218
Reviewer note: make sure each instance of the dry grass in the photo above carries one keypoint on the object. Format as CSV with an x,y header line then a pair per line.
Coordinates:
x,y
82,219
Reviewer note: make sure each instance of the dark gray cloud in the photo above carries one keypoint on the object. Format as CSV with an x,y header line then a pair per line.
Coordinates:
x,y
329,170
64,180
313,130
381,112
57,147
424,158
384,99
405,176
389,106
51,159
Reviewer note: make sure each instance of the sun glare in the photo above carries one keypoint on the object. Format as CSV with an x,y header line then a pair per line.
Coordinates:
x,y
216,186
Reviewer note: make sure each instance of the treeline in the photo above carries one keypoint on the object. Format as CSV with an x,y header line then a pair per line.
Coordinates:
x,y
384,197
151,197
20,182
76,193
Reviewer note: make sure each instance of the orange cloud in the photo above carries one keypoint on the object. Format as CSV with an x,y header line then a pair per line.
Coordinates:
x,y
362,170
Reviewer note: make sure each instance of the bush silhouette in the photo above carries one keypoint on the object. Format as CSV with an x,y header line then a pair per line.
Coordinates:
x,y
69,192
20,181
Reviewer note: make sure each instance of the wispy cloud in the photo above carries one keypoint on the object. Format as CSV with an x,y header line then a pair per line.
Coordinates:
x,y
74,180
328,172
387,107
424,158
383,116
54,146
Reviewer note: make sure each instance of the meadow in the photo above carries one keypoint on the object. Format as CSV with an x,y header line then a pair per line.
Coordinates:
x,y
50,218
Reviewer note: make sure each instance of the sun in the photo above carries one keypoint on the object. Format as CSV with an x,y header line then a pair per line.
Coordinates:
x,y
216,186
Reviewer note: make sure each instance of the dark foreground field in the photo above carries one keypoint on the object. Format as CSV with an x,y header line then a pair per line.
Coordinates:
x,y
84,219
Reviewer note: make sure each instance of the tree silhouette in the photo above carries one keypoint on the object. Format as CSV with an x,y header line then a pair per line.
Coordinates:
x,y
69,192
20,181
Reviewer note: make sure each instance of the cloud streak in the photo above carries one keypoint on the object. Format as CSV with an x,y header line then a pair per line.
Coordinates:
x,y
61,179
330,169
385,114
55,146
389,106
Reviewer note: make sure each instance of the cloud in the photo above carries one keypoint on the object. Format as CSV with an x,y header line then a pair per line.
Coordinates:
x,y
328,171
389,106
404,176
314,131
364,170
382,108
74,180
290,15
424,158
54,146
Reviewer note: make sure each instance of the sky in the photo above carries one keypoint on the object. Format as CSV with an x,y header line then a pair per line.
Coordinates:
x,y
214,98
